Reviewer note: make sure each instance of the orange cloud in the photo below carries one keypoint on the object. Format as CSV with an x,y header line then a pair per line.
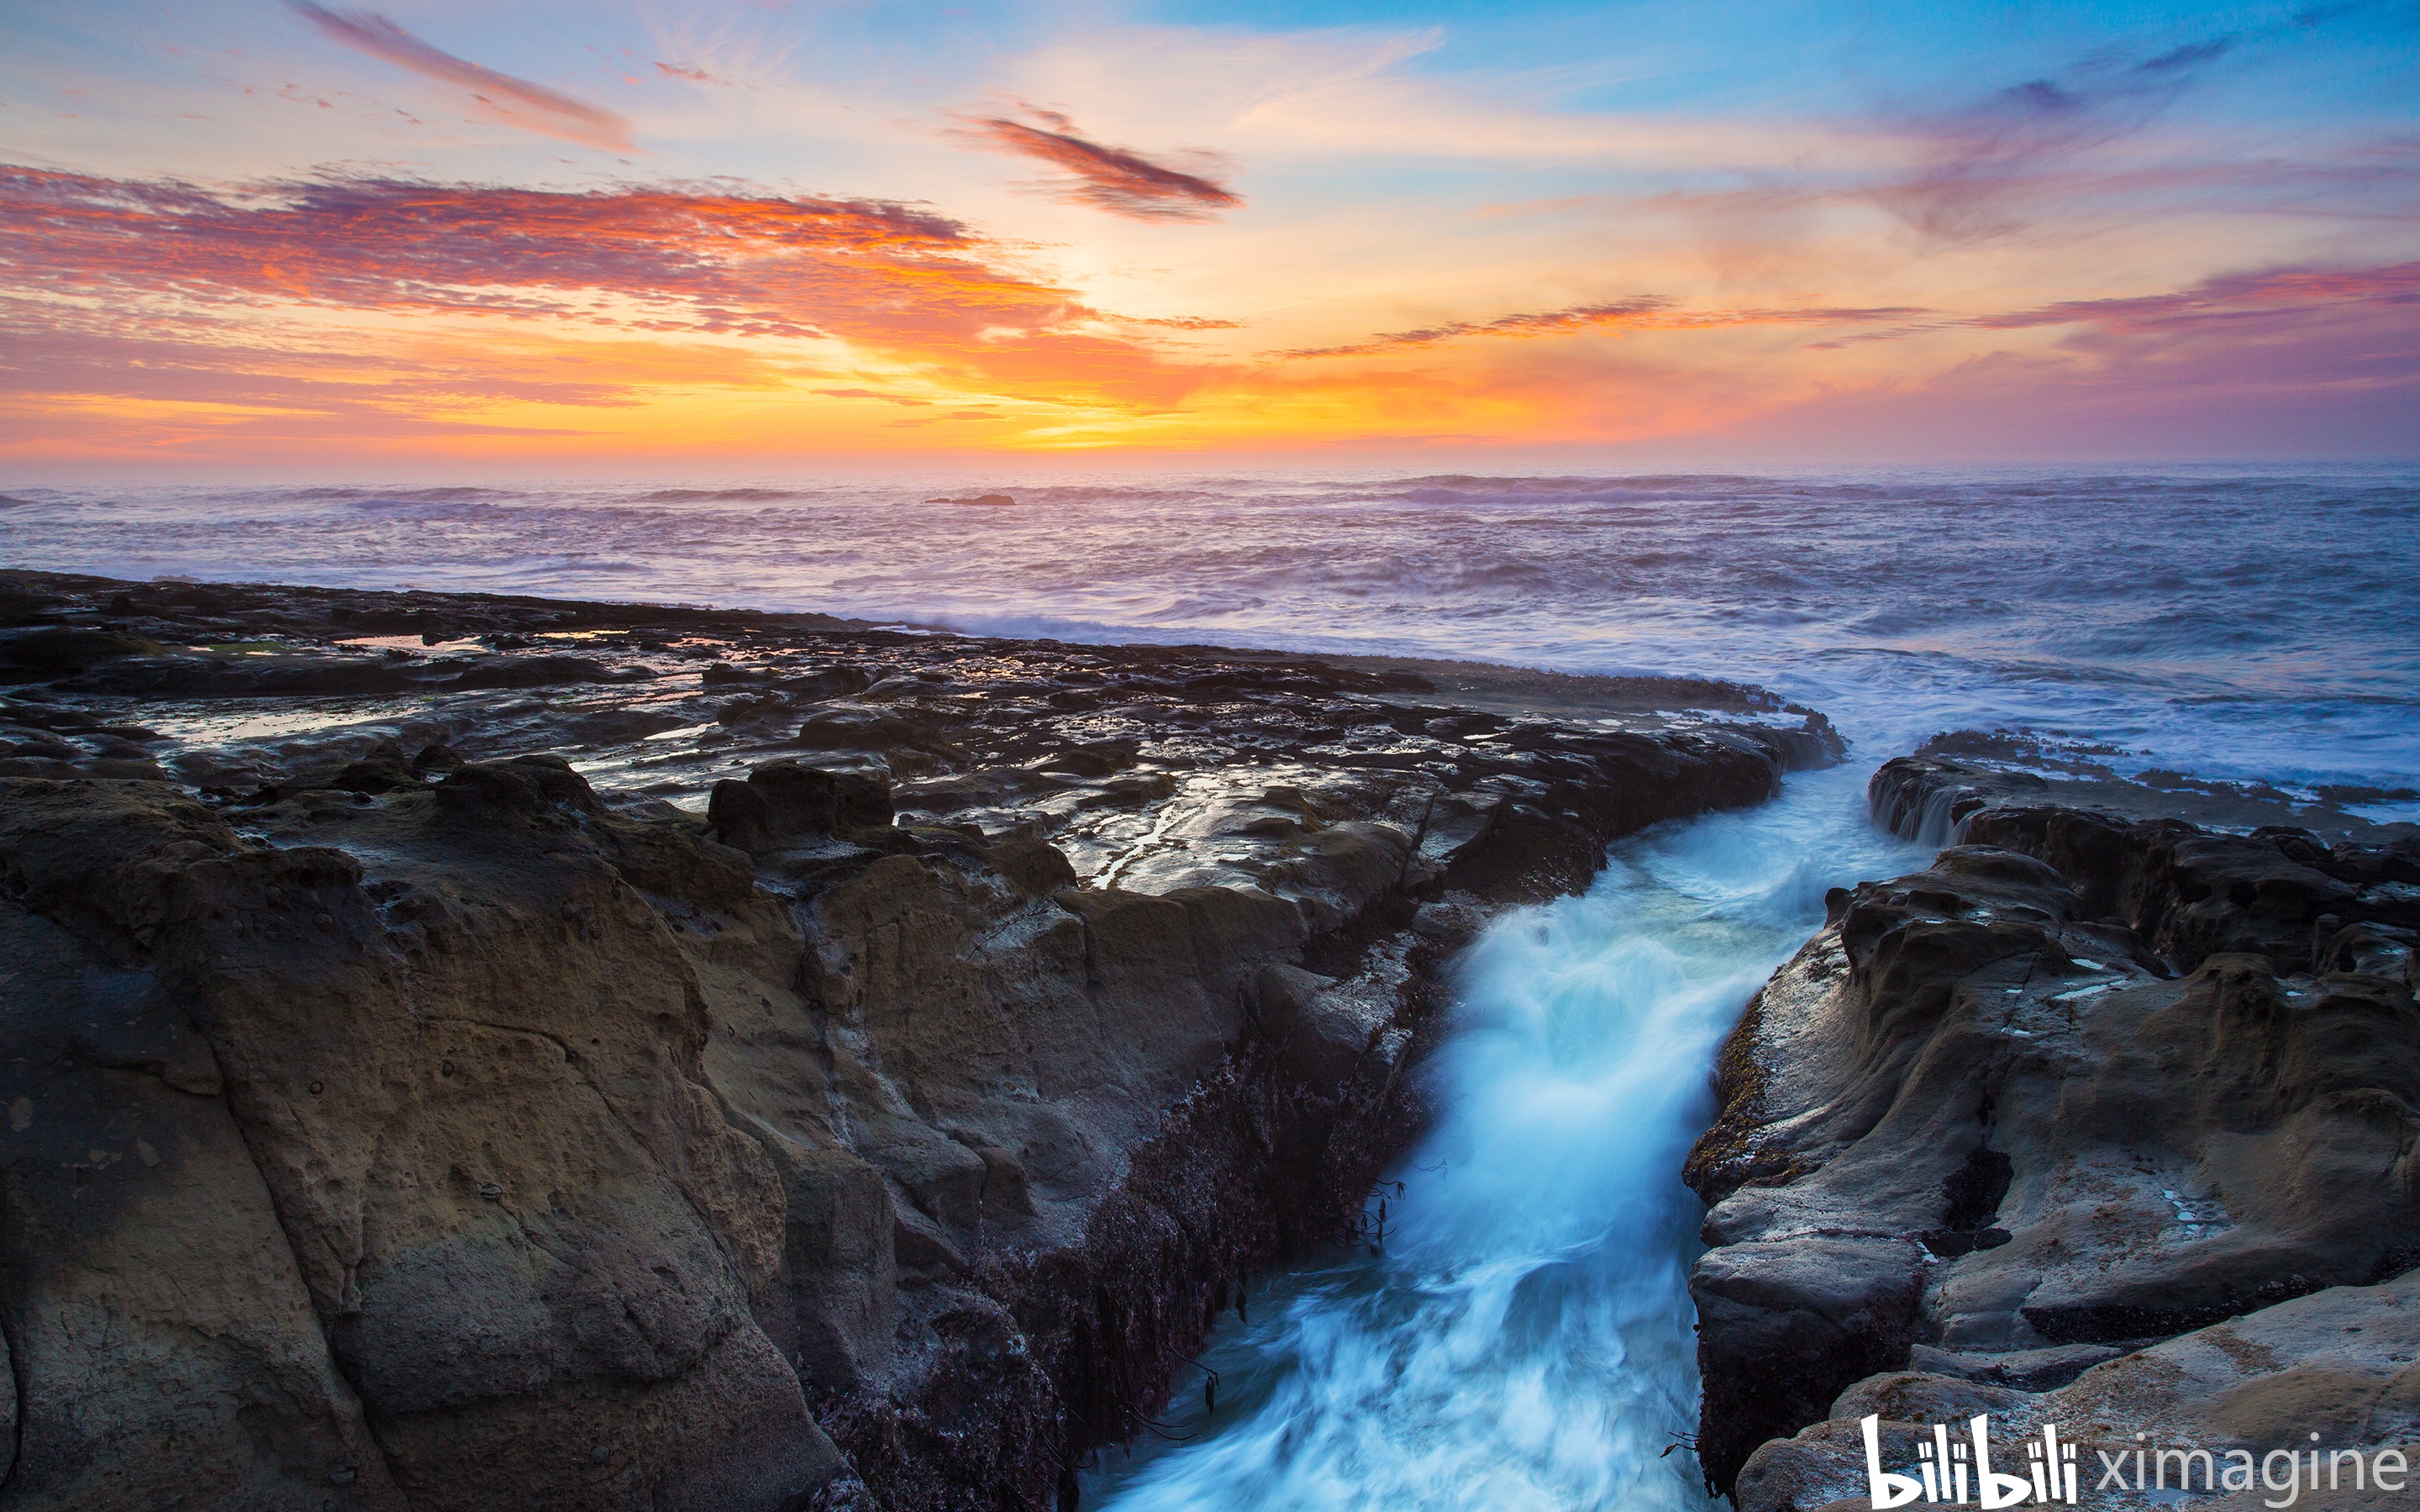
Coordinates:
x,y
870,394
288,300
662,260
155,316
1178,322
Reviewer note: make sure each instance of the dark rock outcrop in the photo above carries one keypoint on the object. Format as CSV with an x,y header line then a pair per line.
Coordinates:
x,y
868,1100
2086,1082
491,1200
2187,892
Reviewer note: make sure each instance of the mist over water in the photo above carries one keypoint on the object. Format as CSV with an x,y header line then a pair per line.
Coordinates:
x,y
1523,1338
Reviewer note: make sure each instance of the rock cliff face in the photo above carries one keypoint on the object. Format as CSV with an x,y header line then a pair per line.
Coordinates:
x,y
2085,1084
749,1064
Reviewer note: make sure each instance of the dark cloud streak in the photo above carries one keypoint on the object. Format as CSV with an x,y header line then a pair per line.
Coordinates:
x,y
531,106
1981,155
1645,312
1116,179
1979,158
2271,296
1573,317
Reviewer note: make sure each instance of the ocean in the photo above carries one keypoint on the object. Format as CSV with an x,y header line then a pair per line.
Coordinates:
x,y
1522,1341
2235,623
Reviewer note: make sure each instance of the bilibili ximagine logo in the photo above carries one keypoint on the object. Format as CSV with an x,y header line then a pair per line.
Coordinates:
x,y
1960,1469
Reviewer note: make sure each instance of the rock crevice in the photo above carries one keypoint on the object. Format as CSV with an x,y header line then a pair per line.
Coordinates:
x,y
772,1062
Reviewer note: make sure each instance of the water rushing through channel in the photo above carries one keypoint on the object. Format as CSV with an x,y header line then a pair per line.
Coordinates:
x,y
1523,1342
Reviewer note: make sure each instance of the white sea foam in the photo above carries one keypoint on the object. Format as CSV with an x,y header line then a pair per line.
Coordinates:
x,y
1524,1339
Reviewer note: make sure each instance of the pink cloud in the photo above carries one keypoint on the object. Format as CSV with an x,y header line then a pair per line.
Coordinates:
x,y
2298,362
531,106
2232,299
200,274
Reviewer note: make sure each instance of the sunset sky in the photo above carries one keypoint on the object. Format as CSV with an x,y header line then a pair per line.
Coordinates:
x,y
265,236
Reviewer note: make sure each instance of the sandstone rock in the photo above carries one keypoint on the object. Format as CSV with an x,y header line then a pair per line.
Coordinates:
x,y
72,648
2186,892
846,728
381,771
2043,1370
380,1085
148,1294
828,682
8,1409
1791,1321
2364,949
1320,1035
527,790
1034,867
843,1268
434,758
535,672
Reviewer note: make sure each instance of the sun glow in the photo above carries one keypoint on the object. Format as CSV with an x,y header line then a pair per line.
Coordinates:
x,y
1170,238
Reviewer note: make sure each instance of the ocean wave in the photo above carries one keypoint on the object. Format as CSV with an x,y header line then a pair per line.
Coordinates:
x,y
1901,601
1567,482
375,498
722,495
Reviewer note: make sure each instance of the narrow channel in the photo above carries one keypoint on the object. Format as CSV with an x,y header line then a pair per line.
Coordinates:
x,y
1522,1339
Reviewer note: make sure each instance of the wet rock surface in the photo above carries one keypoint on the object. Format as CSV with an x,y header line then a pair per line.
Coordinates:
x,y
1952,776
2090,1082
467,1051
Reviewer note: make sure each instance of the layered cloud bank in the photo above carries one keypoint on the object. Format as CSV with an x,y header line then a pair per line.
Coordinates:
x,y
1367,254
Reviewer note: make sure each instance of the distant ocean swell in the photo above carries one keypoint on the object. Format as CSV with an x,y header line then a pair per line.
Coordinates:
x,y
2249,623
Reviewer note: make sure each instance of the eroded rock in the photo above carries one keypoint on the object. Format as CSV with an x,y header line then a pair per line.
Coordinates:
x,y
870,1095
469,1086
2086,1082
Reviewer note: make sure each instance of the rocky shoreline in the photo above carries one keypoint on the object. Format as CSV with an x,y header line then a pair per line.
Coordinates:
x,y
469,1050
2103,1119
